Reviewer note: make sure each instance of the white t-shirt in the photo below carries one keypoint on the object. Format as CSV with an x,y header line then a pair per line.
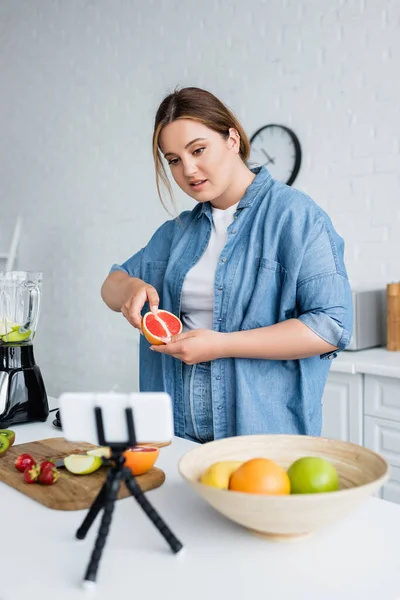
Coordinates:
x,y
197,307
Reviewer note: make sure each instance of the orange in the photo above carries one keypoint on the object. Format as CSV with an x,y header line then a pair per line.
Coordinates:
x,y
159,327
140,459
260,476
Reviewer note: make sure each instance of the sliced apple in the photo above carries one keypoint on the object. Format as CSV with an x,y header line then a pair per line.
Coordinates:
x,y
102,451
82,464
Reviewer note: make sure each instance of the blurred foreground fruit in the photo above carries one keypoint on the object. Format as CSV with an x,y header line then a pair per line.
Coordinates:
x,y
4,444
140,459
159,327
102,451
23,461
260,476
218,474
48,475
82,464
9,434
31,473
46,464
312,475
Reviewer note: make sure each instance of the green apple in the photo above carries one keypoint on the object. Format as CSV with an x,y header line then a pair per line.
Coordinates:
x,y
82,464
102,451
312,475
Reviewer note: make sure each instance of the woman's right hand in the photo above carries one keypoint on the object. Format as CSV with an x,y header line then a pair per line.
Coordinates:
x,y
136,295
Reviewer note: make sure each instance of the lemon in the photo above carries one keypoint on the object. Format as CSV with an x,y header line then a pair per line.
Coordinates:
x,y
218,474
81,464
102,451
312,475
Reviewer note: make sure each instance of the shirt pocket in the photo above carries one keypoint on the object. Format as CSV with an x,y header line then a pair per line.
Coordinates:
x,y
265,302
154,273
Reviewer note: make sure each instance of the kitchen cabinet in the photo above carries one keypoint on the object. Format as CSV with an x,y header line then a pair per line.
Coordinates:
x,y
383,436
361,404
342,410
382,427
382,397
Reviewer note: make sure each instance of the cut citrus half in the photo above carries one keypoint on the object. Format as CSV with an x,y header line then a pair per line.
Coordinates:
x,y
159,327
140,459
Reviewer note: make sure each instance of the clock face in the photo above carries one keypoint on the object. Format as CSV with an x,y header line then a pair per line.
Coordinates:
x,y
277,148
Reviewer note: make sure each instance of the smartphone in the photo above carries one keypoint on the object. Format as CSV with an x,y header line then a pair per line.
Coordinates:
x,y
152,416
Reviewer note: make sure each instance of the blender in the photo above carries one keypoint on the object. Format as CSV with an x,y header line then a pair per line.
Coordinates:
x,y
23,397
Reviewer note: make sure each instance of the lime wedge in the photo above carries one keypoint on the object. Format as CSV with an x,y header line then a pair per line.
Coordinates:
x,y
81,464
103,452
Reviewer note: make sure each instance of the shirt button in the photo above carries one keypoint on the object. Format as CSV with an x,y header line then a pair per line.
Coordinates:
x,y
219,407
223,260
220,288
219,319
218,377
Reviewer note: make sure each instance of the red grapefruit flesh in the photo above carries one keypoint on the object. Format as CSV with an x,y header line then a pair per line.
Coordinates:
x,y
159,327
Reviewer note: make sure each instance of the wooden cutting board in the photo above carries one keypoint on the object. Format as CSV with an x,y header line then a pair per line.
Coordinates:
x,y
70,492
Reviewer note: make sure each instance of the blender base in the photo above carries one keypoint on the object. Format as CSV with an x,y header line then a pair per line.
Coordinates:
x,y
23,397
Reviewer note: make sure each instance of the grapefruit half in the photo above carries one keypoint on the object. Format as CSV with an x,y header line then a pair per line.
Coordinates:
x,y
140,459
159,327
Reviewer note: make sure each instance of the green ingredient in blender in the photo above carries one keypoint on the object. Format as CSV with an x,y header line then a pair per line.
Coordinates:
x,y
7,326
15,336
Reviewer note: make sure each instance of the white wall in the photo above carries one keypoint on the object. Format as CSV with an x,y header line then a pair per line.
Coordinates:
x,y
80,82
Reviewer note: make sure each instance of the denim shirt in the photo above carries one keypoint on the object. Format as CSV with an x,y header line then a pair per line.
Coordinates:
x,y
282,259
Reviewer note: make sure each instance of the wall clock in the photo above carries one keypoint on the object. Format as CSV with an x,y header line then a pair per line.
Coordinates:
x,y
276,147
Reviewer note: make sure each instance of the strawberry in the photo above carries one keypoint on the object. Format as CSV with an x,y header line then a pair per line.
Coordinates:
x,y
46,463
31,474
23,461
49,475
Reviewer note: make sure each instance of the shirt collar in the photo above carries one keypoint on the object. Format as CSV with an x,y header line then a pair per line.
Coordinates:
x,y
261,176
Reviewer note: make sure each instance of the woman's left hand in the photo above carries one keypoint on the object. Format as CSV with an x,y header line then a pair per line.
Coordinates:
x,y
198,345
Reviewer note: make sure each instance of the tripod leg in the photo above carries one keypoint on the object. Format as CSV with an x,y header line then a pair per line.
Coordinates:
x,y
150,511
112,493
97,505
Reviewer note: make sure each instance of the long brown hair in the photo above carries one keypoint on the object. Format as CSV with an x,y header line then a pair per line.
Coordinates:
x,y
198,105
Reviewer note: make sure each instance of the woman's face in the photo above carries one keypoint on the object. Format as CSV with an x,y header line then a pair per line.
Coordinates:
x,y
202,161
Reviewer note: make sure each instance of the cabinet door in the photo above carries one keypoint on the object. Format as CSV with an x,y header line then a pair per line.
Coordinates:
x,y
383,436
382,397
342,409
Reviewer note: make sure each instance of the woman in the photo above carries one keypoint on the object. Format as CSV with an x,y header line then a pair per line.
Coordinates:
x,y
256,273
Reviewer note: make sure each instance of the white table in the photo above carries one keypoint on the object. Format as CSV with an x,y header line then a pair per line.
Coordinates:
x,y
357,558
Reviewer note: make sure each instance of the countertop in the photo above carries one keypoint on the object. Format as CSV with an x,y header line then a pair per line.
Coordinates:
x,y
358,557
375,361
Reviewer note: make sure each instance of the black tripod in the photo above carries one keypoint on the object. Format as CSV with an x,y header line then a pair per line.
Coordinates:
x,y
108,495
